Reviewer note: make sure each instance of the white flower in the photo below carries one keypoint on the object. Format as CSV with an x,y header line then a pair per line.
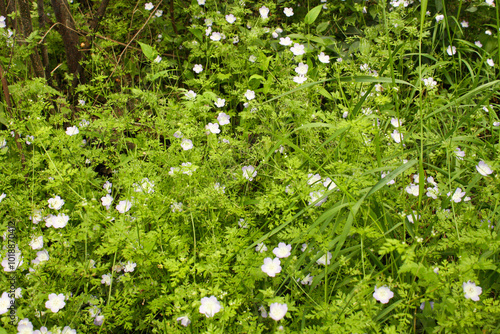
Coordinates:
x,y
219,188
37,243
106,279
490,62
496,123
213,127
209,306
249,172
345,114
298,49
149,6
5,303
277,311
106,201
250,94
198,68
459,153
184,320
242,223
288,11
17,293
236,40
99,320
302,69
71,131
483,168
488,32
208,31
433,192
478,44
230,18
264,12
384,174
329,184
220,103
2,196
315,195
398,137
313,178
216,36
15,261
252,58
37,217
439,17
24,327
129,267
124,206
55,203
107,186
223,119
457,195
58,221
261,248
300,79
190,95
176,207
283,250
410,217
41,256
429,82
464,24
271,266
159,13
472,291
325,259
55,302
68,330
412,189
397,122
263,312
186,144
490,3
325,59
201,2
307,280
383,294
285,41
451,50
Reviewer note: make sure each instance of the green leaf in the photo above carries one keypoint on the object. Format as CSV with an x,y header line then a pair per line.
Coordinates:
x,y
147,50
313,14
322,27
197,33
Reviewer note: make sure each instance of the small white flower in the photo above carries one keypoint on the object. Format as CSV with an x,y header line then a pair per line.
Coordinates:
x,y
209,306
429,82
300,79
472,291
56,203
190,95
483,168
271,266
252,59
325,259
106,279
307,280
478,44
464,24
98,320
285,41
158,13
213,127
277,311
288,11
325,59
198,68
123,206
249,172
201,2
157,59
383,294
223,119
490,3
433,192
106,201
316,195
184,320
236,40
186,144
176,207
488,32
149,6
457,195
216,36
261,248
397,122
242,223
298,49
451,50
2,196
129,267
250,94
107,186
313,178
37,243
41,256
264,12
398,137
220,103
329,184
72,130
283,250
412,189
439,17
459,153
230,18
302,69
18,293
55,302
490,62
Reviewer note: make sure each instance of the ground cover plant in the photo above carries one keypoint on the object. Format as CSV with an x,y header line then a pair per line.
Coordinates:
x,y
250,166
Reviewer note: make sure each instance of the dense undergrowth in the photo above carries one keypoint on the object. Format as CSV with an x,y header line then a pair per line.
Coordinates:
x,y
254,167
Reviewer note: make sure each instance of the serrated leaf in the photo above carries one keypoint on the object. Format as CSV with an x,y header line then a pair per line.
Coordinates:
x,y
313,14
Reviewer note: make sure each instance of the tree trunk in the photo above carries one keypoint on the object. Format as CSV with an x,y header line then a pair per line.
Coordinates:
x,y
27,29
